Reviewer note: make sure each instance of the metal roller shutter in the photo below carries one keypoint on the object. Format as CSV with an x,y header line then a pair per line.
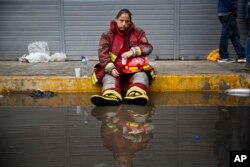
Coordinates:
x,y
176,28
85,21
200,28
25,21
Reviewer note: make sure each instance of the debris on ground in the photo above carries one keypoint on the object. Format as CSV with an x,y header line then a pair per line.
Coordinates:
x,y
39,53
41,94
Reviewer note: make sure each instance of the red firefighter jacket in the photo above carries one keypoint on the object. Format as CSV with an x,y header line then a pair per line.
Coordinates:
x,y
110,47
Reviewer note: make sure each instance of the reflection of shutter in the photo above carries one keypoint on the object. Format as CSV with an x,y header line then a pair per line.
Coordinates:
x,y
86,20
25,21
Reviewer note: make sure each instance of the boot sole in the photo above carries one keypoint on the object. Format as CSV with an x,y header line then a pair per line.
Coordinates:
x,y
136,101
104,101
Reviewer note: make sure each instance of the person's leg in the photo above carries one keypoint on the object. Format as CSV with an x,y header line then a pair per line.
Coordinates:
x,y
235,38
225,35
137,92
110,92
248,51
111,83
248,48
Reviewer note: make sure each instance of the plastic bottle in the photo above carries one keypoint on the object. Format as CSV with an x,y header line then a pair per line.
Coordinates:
x,y
78,110
84,63
86,117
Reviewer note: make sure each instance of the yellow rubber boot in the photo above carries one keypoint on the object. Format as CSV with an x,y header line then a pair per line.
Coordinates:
x,y
137,96
108,98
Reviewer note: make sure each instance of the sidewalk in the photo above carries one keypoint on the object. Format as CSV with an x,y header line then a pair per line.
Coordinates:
x,y
171,76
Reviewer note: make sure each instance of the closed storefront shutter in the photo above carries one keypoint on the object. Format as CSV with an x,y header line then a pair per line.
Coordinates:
x,y
85,21
26,21
200,28
177,29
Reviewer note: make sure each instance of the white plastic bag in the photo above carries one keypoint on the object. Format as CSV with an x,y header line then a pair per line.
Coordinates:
x,y
39,46
38,57
58,56
39,53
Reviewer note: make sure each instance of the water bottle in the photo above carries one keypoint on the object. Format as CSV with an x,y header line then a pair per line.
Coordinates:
x,y
84,62
86,117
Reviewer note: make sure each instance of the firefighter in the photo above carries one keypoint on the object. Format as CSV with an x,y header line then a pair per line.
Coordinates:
x,y
123,56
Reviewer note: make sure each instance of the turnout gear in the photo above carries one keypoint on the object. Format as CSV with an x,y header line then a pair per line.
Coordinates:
x,y
110,49
109,97
136,95
137,71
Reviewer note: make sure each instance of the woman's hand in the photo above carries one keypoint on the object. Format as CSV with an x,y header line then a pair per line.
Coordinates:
x,y
127,54
115,73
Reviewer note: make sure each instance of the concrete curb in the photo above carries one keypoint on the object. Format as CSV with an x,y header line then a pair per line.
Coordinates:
x,y
162,83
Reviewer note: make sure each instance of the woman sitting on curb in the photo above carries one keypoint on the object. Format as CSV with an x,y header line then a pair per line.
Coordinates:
x,y
123,43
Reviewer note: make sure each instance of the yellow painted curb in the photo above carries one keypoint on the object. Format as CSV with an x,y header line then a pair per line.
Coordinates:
x,y
187,83
56,84
162,83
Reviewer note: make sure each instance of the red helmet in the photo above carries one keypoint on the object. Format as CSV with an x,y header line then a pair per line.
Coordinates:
x,y
135,64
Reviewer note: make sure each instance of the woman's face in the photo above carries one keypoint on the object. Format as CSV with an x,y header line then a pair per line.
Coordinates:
x,y
123,22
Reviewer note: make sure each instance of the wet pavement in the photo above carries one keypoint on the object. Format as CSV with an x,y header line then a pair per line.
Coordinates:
x,y
171,67
75,134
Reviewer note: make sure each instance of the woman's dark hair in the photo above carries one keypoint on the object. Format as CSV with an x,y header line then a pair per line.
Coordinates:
x,y
124,11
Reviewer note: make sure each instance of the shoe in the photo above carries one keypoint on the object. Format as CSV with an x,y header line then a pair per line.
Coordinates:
x,y
241,60
136,95
225,60
108,98
105,100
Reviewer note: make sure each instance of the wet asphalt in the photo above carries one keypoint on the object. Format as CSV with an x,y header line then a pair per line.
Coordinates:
x,y
73,135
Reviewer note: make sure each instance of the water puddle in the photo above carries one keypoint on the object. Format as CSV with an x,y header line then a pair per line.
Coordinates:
x,y
175,129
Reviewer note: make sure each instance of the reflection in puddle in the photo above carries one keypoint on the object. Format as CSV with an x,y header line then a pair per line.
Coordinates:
x,y
231,132
162,135
125,130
